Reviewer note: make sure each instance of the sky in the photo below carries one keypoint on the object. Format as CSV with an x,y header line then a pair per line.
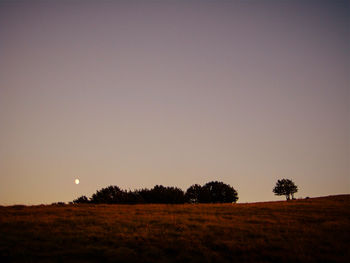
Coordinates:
x,y
138,93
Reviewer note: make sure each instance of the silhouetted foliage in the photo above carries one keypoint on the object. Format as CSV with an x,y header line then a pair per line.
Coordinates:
x,y
193,193
109,195
213,192
285,187
133,198
163,195
218,192
81,200
59,204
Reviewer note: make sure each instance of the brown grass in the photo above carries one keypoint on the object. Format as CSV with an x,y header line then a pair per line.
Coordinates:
x,y
312,230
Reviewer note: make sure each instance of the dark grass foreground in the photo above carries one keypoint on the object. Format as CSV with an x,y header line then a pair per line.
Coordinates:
x,y
310,230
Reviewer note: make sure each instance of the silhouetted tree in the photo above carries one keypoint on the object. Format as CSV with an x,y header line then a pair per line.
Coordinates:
x,y
162,195
175,195
218,192
193,193
109,195
81,200
133,197
285,187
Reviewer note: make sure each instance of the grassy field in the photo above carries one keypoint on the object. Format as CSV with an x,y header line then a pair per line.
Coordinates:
x,y
309,230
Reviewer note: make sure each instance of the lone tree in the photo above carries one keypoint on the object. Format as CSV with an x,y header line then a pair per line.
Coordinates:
x,y
285,187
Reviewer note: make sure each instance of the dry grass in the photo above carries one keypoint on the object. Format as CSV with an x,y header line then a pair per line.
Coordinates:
x,y
312,230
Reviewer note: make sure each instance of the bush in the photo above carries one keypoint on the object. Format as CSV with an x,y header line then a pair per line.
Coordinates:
x,y
81,200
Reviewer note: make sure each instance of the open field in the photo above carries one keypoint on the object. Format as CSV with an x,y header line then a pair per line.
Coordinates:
x,y
309,230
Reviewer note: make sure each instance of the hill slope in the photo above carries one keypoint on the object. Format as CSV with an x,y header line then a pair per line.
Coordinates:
x,y
309,230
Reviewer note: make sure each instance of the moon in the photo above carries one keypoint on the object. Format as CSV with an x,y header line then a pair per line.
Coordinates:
x,y
76,181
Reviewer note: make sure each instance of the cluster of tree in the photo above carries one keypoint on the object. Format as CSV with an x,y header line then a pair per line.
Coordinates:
x,y
212,192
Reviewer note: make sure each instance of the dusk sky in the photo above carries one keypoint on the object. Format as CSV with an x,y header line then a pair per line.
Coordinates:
x,y
138,93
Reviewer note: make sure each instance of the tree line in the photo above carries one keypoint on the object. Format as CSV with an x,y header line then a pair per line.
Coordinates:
x,y
212,192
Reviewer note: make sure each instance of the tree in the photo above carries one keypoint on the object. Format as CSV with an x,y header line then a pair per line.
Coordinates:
x,y
193,193
218,192
285,187
81,200
162,195
133,197
109,195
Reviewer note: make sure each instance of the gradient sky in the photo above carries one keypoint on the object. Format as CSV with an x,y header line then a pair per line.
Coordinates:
x,y
138,93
